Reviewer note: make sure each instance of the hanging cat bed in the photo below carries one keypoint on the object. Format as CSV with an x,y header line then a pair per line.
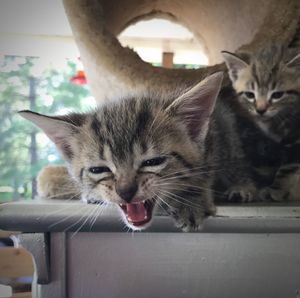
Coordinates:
x,y
116,71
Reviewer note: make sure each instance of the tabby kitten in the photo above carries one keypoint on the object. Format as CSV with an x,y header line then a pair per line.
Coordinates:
x,y
268,86
139,153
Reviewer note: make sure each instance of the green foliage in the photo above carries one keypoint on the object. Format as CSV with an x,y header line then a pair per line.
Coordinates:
x,y
53,93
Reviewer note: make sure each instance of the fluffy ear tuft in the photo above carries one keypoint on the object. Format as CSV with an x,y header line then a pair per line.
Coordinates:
x,y
195,106
294,62
234,64
58,129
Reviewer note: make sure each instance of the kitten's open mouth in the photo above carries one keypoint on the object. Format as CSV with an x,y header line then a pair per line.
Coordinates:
x,y
138,213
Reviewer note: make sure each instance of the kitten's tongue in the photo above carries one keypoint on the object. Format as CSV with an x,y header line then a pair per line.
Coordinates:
x,y
136,212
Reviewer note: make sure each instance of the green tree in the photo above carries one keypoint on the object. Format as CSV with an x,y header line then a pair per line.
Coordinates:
x,y
23,151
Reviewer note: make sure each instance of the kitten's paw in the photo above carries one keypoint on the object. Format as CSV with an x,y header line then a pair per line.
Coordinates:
x,y
241,193
54,182
268,194
188,219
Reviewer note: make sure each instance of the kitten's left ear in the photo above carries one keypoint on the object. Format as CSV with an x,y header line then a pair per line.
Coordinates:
x,y
294,62
195,106
59,129
234,64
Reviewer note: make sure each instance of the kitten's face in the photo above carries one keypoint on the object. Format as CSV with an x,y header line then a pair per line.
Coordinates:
x,y
128,158
268,84
134,152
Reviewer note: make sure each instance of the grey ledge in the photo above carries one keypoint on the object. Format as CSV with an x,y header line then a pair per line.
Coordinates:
x,y
44,216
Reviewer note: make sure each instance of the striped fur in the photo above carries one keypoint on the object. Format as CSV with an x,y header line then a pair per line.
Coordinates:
x,y
121,138
272,76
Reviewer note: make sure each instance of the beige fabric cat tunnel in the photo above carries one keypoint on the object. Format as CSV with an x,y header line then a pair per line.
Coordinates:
x,y
115,71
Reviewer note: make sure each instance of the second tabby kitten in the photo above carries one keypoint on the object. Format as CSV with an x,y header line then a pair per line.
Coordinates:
x,y
268,86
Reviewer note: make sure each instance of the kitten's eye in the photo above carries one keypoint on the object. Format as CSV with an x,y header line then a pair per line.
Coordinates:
x,y
277,95
99,170
153,162
250,96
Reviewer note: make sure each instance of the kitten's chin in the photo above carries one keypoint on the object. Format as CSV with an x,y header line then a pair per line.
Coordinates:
x,y
138,214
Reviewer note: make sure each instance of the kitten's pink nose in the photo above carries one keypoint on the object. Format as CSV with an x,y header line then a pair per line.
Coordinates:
x,y
261,106
126,192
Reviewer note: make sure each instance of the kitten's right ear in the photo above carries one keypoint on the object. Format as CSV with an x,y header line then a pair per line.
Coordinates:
x,y
195,107
58,129
234,64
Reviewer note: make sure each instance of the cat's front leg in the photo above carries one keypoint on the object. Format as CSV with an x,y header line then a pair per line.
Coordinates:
x,y
268,194
190,219
243,192
187,219
55,182
280,188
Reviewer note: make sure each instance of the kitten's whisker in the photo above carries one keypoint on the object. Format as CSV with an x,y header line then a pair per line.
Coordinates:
x,y
173,195
207,169
97,207
181,172
191,191
164,202
160,205
63,194
101,208
66,218
190,175
78,221
183,188
155,195
171,198
69,206
180,199
84,222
